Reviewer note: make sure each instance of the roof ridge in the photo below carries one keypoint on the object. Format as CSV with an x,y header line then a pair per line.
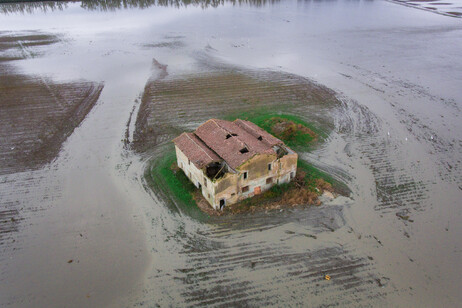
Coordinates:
x,y
227,131
199,146
244,122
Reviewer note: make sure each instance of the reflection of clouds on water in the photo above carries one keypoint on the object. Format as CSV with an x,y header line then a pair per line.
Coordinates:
x,y
112,5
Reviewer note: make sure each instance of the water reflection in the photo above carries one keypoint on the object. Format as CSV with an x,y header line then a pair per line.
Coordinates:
x,y
112,5
31,7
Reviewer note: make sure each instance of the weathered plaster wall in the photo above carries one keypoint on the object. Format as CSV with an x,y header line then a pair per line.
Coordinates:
x,y
229,187
196,175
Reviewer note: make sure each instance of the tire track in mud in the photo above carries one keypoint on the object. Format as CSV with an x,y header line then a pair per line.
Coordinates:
x,y
270,258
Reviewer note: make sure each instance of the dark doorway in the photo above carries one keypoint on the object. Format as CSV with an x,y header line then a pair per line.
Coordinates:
x,y
222,204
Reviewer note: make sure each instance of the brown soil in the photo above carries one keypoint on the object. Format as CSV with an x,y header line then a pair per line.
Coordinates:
x,y
285,130
168,105
36,114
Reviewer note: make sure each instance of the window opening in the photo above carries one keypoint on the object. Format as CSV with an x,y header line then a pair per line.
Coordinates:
x,y
269,180
269,167
245,189
244,150
222,203
260,138
246,174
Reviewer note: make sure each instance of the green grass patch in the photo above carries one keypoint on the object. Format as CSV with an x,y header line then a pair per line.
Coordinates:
x,y
173,184
312,174
307,185
295,132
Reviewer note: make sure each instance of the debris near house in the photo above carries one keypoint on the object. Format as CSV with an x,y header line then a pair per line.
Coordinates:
x,y
232,161
303,190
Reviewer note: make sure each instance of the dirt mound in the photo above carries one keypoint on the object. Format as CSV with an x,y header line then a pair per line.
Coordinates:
x,y
287,130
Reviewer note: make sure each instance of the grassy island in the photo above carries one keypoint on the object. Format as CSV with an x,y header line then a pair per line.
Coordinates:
x,y
305,189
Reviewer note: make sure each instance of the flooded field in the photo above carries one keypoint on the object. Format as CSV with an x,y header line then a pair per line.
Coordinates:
x,y
448,8
37,114
93,92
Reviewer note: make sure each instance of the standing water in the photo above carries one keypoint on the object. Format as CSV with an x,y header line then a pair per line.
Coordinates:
x,y
81,226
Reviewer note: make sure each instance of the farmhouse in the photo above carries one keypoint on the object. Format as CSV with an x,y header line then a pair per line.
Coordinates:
x,y
232,161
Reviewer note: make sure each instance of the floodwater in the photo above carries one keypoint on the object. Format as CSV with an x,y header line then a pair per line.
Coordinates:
x,y
81,226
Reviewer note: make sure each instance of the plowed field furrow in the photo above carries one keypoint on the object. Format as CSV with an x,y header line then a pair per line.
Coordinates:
x,y
36,117
217,272
397,188
166,103
274,270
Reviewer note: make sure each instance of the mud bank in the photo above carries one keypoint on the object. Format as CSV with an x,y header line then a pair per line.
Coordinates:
x,y
59,204
170,105
36,114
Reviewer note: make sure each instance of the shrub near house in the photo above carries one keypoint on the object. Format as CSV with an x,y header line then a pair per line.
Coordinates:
x,y
232,161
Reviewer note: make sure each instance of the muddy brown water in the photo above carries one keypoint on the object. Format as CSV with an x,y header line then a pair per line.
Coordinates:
x,y
81,225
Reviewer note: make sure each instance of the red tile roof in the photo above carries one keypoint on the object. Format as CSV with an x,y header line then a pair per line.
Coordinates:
x,y
234,142
196,150
257,132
